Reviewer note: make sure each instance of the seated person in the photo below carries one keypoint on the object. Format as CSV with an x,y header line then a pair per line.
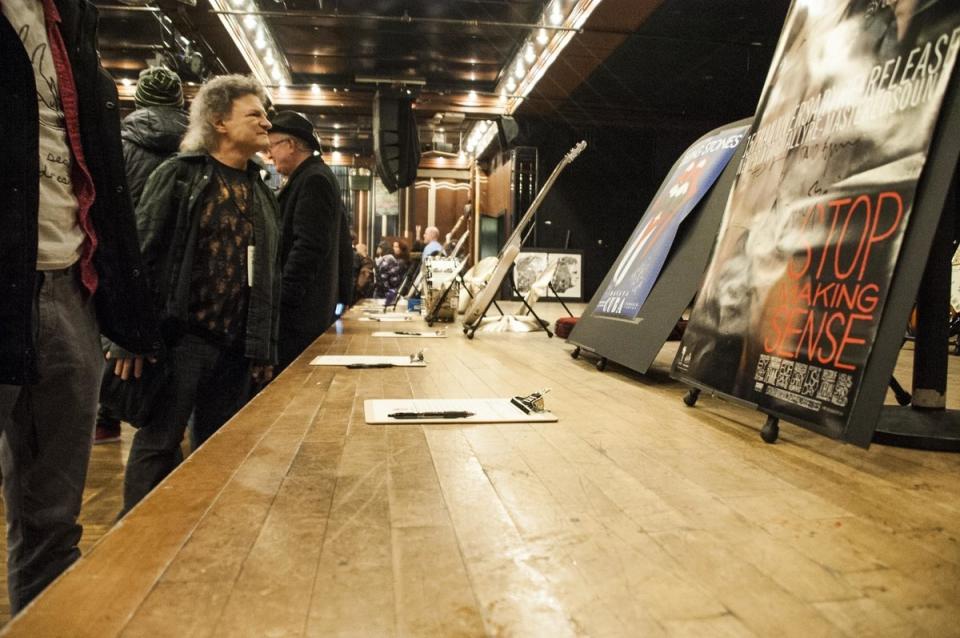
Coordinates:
x,y
364,279
431,239
388,273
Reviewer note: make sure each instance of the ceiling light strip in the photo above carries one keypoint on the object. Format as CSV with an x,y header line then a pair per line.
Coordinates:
x,y
552,49
536,54
255,42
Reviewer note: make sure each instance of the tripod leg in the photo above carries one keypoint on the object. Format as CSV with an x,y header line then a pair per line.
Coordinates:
x,y
540,322
463,285
903,397
557,295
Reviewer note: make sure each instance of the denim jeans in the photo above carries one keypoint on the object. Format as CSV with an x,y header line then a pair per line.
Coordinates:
x,y
208,381
47,434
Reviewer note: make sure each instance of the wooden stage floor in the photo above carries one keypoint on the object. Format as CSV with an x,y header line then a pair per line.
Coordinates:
x,y
632,516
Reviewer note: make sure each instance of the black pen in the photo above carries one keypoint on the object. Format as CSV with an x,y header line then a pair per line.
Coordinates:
x,y
449,414
370,365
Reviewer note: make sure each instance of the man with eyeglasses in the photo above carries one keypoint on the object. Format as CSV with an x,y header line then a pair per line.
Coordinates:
x,y
315,253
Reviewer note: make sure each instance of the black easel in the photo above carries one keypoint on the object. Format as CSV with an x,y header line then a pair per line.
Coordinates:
x,y
926,424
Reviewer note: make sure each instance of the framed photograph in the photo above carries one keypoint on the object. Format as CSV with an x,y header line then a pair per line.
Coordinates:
x,y
567,267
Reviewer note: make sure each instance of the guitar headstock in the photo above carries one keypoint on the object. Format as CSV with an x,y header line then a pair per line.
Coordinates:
x,y
456,227
576,150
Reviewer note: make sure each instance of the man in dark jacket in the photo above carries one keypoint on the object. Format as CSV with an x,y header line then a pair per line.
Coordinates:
x,y
150,134
315,254
153,132
69,269
208,229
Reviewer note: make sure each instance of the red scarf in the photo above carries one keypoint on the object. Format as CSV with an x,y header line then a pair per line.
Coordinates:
x,y
82,181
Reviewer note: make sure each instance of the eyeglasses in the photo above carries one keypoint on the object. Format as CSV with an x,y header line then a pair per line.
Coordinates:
x,y
281,140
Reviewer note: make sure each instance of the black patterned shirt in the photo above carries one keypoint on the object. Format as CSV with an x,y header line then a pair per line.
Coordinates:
x,y
219,293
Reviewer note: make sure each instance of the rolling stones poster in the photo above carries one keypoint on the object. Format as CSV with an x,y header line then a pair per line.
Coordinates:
x,y
641,261
811,235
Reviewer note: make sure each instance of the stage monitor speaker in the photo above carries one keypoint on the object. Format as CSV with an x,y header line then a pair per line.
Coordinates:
x,y
396,141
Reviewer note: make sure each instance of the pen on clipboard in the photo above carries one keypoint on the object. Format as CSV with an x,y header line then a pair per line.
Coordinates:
x,y
443,414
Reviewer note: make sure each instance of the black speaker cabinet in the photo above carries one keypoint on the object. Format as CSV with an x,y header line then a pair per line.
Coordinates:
x,y
396,142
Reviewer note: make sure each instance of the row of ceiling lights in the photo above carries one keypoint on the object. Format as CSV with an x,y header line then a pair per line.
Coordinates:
x,y
533,58
257,45
256,38
541,48
255,41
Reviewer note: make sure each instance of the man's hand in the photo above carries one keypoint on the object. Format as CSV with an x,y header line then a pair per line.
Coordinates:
x,y
124,367
261,373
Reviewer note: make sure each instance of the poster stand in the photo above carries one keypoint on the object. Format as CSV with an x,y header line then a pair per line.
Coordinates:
x,y
929,235
677,283
927,424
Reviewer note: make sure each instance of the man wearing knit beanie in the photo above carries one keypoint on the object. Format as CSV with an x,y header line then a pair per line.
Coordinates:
x,y
158,86
150,135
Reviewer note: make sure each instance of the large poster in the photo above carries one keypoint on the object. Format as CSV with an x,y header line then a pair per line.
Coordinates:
x,y
640,262
793,296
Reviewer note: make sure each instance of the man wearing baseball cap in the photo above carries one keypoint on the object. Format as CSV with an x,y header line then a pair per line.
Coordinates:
x,y
315,253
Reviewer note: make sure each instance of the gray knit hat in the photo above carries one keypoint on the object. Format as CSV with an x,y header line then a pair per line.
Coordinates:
x,y
158,86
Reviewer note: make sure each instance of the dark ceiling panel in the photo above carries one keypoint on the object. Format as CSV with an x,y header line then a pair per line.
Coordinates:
x,y
450,45
607,28
699,59
635,62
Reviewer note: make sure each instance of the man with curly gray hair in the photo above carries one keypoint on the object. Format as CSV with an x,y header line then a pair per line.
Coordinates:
x,y
209,235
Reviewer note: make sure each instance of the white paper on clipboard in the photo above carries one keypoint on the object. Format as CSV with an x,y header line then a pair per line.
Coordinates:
x,y
388,318
494,410
414,334
367,359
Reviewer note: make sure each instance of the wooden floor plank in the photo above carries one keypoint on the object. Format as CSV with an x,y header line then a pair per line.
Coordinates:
x,y
432,590
353,587
110,601
754,597
272,592
602,585
650,578
516,597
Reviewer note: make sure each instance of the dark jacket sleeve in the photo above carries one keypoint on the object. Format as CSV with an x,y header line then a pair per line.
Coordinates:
x,y
314,234
348,275
124,307
156,220
140,165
